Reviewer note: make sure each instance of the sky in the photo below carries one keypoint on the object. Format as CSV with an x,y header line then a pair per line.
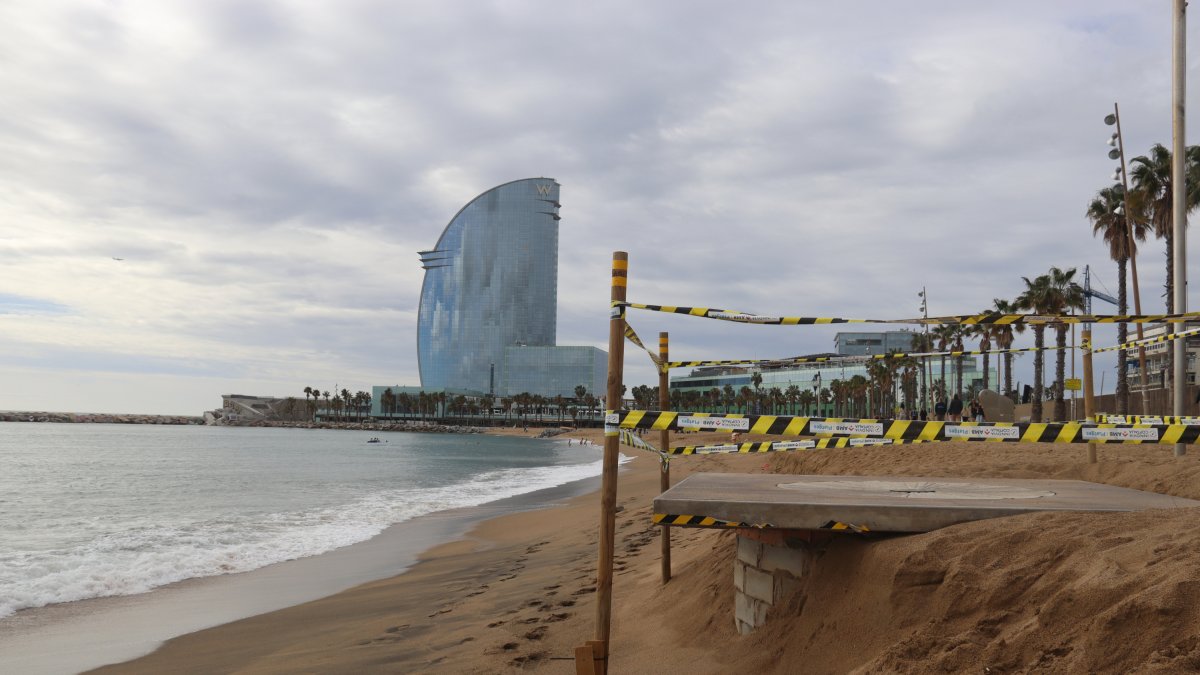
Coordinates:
x,y
210,197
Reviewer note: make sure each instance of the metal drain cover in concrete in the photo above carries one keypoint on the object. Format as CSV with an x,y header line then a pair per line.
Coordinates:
x,y
890,503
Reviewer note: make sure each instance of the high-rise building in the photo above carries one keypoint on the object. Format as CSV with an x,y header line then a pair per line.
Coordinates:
x,y
488,313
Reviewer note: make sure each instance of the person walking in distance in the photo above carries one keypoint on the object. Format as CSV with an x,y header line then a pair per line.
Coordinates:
x,y
955,410
939,410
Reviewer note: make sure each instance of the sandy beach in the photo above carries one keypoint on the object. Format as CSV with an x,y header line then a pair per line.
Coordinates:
x,y
1065,592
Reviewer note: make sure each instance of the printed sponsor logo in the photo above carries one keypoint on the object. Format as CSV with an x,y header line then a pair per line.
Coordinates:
x,y
981,432
1189,420
793,445
748,318
1092,434
612,418
731,423
844,428
1150,420
870,441
714,449
610,430
1115,419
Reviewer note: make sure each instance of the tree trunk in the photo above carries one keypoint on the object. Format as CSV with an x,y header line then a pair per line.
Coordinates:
x,y
1039,341
1060,373
1008,386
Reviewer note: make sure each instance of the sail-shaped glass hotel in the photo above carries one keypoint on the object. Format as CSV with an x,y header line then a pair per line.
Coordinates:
x,y
488,313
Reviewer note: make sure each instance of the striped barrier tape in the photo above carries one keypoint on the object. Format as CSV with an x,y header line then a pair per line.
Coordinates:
x,y
787,446
861,358
1104,418
696,521
908,430
634,441
846,527
632,336
708,521
966,319
1149,341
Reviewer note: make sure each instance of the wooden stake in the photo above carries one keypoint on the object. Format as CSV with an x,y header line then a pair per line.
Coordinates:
x,y
608,489
1089,398
664,476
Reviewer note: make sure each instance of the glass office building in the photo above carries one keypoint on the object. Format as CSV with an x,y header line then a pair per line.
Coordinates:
x,y
491,284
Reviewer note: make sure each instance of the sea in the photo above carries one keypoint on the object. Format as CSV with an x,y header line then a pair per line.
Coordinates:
x,y
153,517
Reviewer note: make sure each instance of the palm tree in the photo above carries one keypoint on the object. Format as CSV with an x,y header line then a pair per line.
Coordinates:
x,y
1053,293
728,396
1005,336
943,339
922,342
1106,213
792,394
1153,191
1038,296
983,332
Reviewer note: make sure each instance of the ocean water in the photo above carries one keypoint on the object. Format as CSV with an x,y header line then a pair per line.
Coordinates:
x,y
92,510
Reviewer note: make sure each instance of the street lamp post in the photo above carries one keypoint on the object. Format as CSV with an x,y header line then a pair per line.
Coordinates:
x,y
926,366
1118,152
817,393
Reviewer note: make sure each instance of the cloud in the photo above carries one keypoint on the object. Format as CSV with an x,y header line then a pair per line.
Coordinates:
x,y
268,170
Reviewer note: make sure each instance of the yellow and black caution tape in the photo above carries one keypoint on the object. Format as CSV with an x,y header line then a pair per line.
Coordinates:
x,y
708,521
1149,341
1187,420
965,319
860,358
697,521
632,336
839,526
908,430
634,441
787,446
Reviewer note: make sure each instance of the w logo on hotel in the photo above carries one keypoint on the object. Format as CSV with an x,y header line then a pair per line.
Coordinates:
x,y
542,189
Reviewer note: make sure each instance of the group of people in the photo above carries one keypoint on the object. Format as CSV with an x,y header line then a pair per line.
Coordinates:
x,y
953,412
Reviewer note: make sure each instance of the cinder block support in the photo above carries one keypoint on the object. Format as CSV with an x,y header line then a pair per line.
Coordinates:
x,y
766,569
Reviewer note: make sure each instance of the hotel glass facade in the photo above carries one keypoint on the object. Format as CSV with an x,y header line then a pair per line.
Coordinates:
x,y
491,285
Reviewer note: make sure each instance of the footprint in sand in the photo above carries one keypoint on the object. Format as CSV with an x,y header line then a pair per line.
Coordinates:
x,y
554,618
537,633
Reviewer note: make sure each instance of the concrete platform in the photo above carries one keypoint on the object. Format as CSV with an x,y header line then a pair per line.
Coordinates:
x,y
889,503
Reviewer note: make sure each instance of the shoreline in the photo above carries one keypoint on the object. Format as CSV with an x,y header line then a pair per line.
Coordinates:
x,y
79,635
513,591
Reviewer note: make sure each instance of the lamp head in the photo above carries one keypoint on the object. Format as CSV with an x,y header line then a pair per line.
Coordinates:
x,y
1110,119
1114,154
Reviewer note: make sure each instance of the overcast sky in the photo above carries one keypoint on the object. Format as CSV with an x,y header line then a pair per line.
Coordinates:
x,y
267,172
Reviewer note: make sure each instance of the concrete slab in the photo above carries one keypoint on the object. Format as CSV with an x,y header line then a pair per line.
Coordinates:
x,y
889,503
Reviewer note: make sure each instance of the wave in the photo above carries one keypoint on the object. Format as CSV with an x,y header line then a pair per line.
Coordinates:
x,y
141,558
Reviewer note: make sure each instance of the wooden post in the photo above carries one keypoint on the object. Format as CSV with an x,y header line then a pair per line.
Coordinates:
x,y
1089,398
608,487
664,476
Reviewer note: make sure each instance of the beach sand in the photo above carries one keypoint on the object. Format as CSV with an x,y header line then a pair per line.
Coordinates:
x,y
1062,592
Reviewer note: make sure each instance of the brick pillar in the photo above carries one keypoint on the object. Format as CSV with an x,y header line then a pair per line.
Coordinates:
x,y
764,573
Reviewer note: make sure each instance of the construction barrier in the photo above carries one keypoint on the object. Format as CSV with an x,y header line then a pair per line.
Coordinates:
x,y
965,319
1104,418
906,430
